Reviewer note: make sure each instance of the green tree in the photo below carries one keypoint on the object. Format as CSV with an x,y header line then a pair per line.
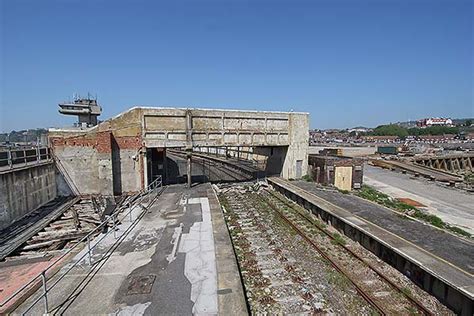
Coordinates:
x,y
390,130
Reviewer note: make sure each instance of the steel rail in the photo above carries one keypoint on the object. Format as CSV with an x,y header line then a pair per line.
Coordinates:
x,y
362,293
224,167
412,300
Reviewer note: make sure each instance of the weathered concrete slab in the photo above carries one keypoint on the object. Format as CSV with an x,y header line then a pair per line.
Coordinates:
x,y
24,189
170,263
109,158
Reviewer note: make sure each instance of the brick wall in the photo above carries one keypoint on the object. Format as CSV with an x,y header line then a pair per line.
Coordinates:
x,y
88,161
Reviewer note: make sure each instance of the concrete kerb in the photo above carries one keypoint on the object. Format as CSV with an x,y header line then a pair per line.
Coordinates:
x,y
231,295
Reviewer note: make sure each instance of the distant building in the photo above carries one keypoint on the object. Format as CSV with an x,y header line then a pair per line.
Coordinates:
x,y
380,139
436,138
434,121
316,136
342,172
360,130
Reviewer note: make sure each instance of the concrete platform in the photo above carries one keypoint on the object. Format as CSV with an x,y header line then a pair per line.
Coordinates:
x,y
452,205
178,260
439,262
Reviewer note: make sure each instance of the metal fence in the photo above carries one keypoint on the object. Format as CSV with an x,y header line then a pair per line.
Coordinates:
x,y
11,158
146,196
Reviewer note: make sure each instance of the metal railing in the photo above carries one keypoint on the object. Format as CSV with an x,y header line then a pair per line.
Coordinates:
x,y
11,158
136,200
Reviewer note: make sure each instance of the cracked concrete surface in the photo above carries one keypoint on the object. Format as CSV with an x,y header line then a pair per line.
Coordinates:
x,y
200,262
178,251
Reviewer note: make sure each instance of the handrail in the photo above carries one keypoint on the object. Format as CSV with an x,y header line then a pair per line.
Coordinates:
x,y
114,218
20,157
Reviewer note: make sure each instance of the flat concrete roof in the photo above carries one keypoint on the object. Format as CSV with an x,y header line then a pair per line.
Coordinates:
x,y
211,109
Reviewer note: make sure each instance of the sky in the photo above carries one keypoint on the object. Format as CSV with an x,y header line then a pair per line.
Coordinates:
x,y
346,62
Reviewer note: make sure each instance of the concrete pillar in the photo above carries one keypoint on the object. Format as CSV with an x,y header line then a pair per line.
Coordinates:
x,y
165,168
37,152
9,155
189,144
189,169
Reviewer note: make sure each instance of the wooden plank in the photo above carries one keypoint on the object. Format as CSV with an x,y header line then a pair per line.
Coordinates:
x,y
15,242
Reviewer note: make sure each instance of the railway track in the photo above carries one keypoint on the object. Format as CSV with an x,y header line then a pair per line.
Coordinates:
x,y
282,274
257,222
371,283
214,165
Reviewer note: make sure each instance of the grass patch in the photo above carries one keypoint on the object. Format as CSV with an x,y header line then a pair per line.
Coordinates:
x,y
406,291
338,239
307,178
338,279
369,193
412,310
459,231
469,178
378,197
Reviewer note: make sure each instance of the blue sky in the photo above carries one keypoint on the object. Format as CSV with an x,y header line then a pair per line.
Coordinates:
x,y
347,62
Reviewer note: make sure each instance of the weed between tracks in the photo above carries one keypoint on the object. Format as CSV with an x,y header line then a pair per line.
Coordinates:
x,y
282,274
285,275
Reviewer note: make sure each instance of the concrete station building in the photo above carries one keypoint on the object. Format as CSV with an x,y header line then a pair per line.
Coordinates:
x,y
127,152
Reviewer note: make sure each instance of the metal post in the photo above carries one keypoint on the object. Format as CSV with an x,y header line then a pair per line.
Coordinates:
x,y
130,210
24,156
45,292
115,225
89,250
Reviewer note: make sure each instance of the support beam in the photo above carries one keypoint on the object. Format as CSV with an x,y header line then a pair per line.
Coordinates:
x,y
189,144
189,171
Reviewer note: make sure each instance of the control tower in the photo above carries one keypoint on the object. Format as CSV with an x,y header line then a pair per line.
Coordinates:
x,y
86,109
